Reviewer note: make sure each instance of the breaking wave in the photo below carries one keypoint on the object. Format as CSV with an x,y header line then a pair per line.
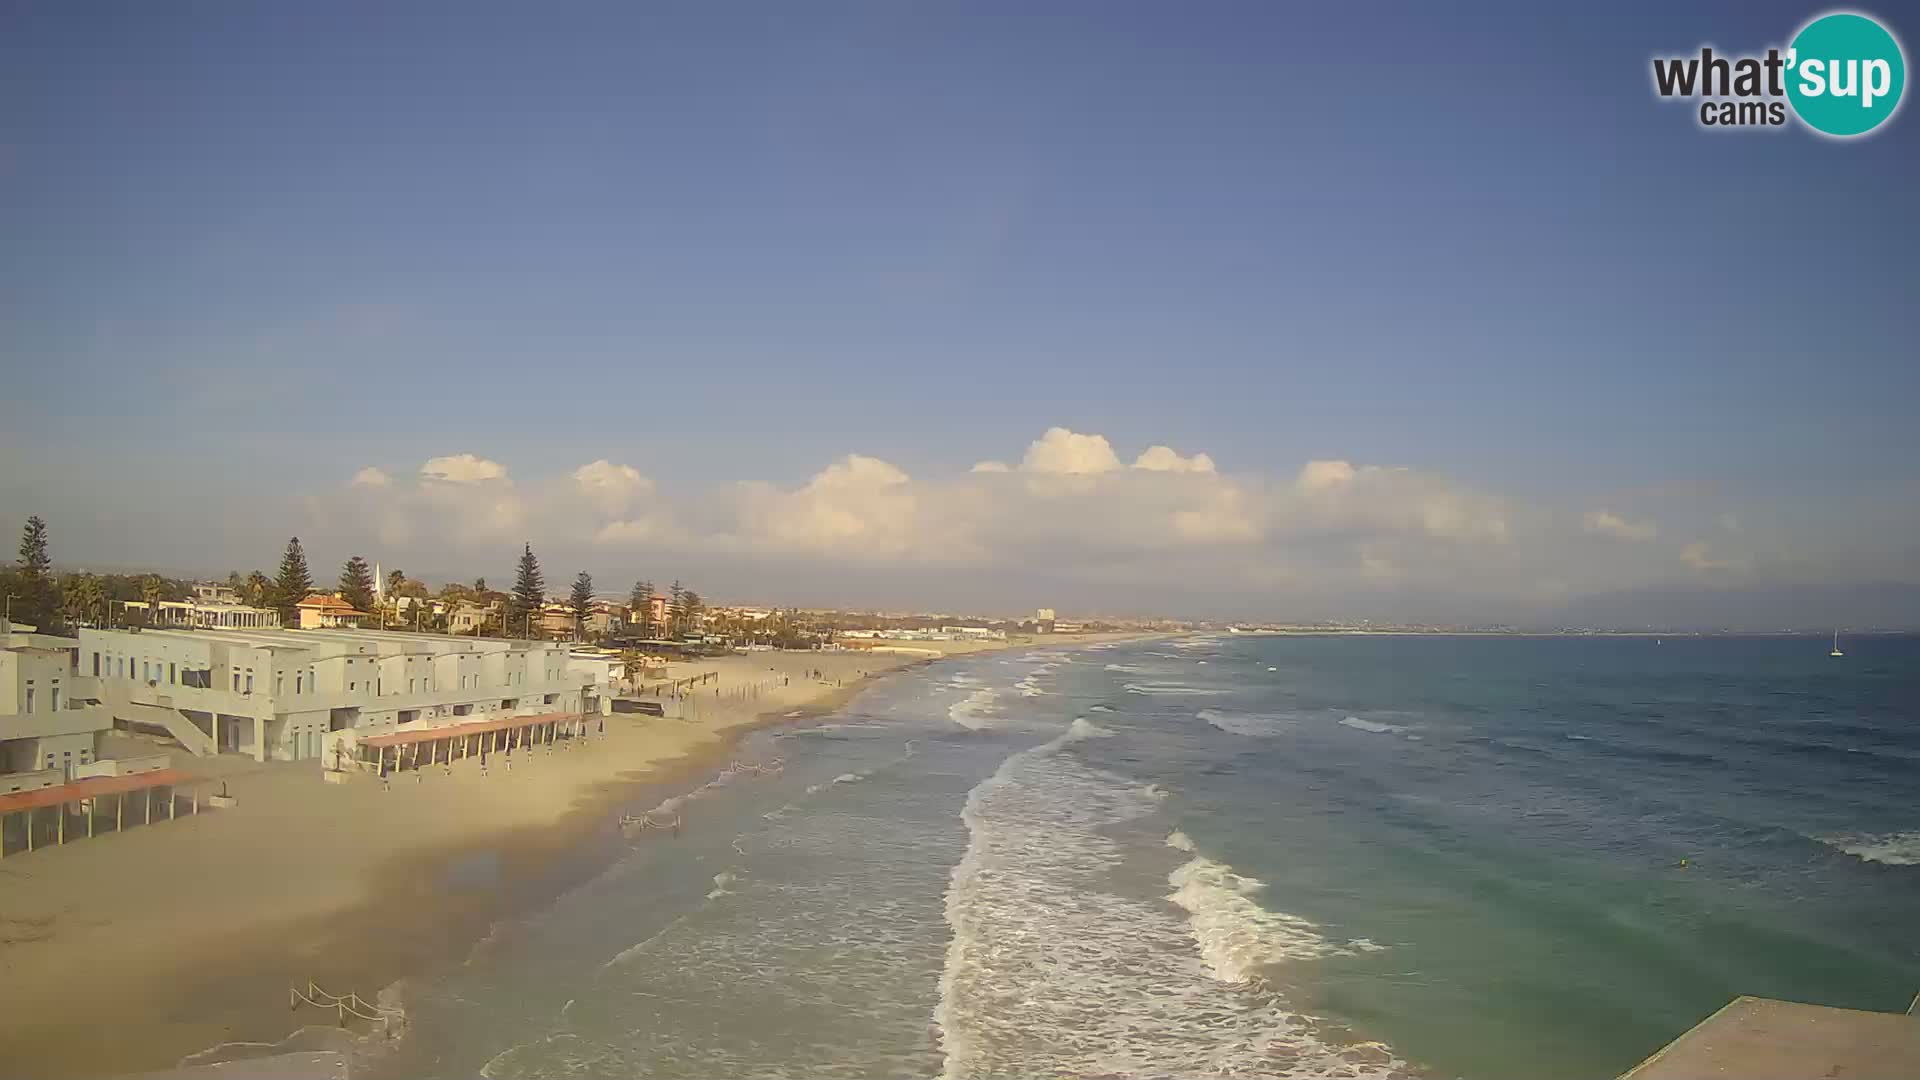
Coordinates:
x,y
1891,849
1252,725
1171,688
1050,972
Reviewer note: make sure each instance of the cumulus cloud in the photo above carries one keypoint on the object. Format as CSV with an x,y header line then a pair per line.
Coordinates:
x,y
1700,556
857,507
610,487
1324,475
372,477
1068,453
1606,523
462,469
1167,459
1072,509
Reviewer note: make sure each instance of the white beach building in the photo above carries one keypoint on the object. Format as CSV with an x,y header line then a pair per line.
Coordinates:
x,y
296,695
47,730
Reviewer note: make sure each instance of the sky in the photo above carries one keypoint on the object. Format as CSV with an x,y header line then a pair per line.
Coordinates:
x,y
1430,313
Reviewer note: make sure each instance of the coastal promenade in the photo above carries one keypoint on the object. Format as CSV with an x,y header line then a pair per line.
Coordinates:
x,y
1762,1039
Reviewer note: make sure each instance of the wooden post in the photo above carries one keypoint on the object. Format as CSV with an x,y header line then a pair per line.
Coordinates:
x,y
119,811
149,818
196,799
61,830
171,794
92,805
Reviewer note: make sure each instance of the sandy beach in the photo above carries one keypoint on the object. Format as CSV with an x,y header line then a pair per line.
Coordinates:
x,y
188,934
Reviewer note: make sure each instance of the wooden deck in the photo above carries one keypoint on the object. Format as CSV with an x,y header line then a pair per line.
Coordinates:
x,y
1762,1039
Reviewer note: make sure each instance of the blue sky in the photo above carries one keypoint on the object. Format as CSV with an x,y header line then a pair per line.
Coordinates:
x,y
247,251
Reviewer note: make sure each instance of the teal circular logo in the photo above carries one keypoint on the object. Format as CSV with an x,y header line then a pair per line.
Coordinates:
x,y
1845,74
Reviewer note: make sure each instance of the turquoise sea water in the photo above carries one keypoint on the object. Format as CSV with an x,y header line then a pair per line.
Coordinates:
x,y
1495,858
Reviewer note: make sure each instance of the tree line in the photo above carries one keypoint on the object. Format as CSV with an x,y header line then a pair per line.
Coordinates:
x,y
34,594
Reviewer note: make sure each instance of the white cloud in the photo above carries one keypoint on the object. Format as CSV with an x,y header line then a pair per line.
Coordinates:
x,y
462,469
372,477
1700,556
1068,453
1323,475
610,487
857,507
991,467
1167,459
1606,523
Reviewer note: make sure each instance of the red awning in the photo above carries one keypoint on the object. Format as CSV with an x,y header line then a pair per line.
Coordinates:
x,y
94,786
455,731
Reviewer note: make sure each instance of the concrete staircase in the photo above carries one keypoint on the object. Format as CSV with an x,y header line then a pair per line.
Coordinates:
x,y
184,731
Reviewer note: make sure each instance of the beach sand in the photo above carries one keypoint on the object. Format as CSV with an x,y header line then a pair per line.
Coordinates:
x,y
128,952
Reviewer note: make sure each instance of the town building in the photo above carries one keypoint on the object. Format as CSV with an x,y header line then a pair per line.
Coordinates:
x,y
296,695
326,612
468,617
203,614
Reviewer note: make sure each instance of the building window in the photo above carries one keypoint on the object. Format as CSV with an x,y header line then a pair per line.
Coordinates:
x,y
353,686
279,683
172,673
29,697
53,696
236,681
96,665
249,682
298,678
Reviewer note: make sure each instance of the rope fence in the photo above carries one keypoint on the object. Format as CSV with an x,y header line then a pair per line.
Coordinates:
x,y
350,1004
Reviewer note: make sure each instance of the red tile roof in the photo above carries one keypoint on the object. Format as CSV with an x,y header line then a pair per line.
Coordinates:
x,y
93,786
455,731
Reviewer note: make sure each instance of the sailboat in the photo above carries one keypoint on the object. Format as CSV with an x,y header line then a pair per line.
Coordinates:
x,y
1836,645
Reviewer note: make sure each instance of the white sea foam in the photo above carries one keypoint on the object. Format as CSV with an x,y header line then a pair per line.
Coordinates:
x,y
1154,792
1050,972
1252,725
1891,849
1373,726
1171,688
720,882
1098,708
1180,840
974,713
848,778
1130,669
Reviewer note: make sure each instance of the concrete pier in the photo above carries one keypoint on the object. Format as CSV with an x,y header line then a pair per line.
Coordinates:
x,y
1763,1039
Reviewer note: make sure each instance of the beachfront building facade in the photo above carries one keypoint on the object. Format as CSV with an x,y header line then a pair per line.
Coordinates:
x,y
299,695
47,730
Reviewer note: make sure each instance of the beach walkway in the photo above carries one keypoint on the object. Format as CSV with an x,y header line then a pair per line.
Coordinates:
x,y
1763,1039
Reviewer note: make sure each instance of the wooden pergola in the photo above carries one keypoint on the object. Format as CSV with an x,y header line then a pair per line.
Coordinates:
x,y
87,797
431,746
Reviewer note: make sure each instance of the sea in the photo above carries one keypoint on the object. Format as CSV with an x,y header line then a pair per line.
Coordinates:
x,y
1365,856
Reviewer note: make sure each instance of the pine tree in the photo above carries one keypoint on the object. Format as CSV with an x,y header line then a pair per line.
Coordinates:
x,y
356,584
641,603
581,600
529,592
676,598
293,584
34,601
690,608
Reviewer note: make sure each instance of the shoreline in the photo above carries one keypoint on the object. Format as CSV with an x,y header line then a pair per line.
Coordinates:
x,y
223,994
